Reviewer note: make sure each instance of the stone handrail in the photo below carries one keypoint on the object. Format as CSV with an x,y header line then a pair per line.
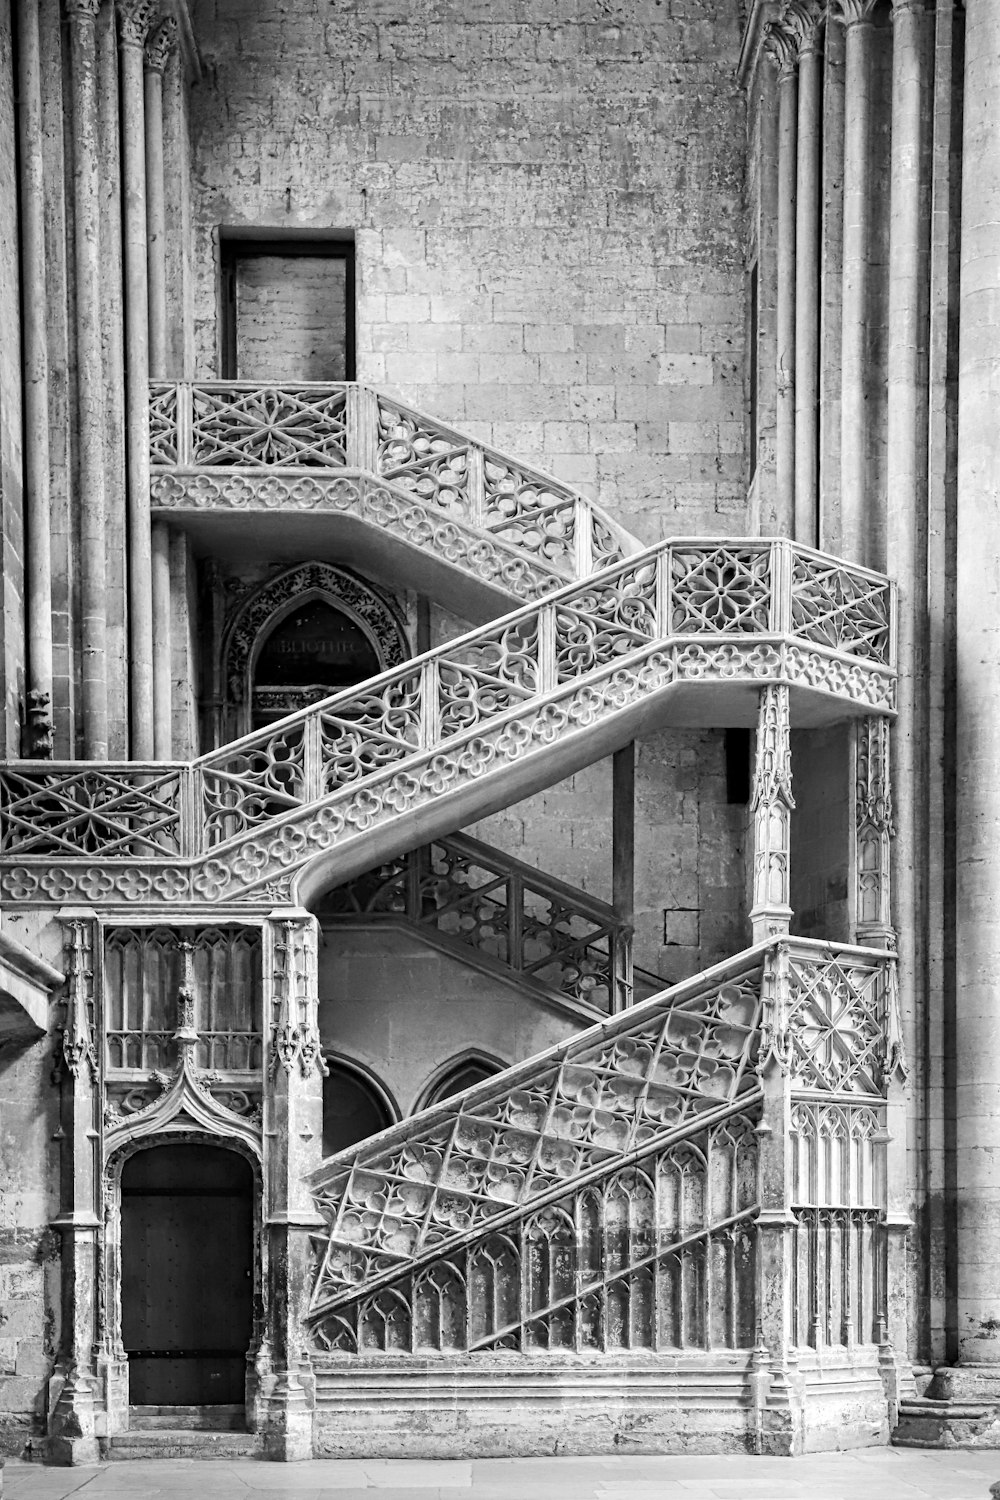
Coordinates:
x,y
232,445
464,728
535,1209
506,916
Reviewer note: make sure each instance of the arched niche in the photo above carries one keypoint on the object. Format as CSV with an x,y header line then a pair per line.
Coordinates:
x,y
356,1105
315,628
459,1073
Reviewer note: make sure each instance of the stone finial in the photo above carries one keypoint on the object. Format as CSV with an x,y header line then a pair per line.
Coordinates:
x,y
160,44
781,46
135,17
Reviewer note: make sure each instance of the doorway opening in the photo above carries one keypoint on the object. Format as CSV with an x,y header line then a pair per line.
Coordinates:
x,y
287,309
314,651
187,1259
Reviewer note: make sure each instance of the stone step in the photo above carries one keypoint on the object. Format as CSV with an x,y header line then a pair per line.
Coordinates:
x,y
926,1423
188,1418
165,1442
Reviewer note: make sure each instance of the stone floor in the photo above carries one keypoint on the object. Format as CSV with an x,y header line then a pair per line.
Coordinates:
x,y
871,1474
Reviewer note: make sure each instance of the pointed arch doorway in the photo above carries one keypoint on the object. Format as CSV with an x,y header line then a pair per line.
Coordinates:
x,y
187,1274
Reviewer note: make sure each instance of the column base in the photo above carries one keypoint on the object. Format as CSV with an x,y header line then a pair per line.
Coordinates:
x,y
72,1437
285,1419
960,1408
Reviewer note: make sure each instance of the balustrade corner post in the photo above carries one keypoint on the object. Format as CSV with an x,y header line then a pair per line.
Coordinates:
x,y
476,483
293,1136
771,809
313,770
782,558
872,833
623,987
192,805
664,590
583,537
362,429
74,1397
430,703
185,425
546,648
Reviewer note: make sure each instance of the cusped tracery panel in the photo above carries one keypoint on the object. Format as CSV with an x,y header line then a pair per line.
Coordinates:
x,y
610,1265
510,1146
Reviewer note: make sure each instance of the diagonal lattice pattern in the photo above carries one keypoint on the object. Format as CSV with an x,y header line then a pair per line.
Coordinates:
x,y
135,814
263,426
840,607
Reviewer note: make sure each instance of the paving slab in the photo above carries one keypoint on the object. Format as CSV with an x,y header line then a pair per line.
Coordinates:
x,y
864,1474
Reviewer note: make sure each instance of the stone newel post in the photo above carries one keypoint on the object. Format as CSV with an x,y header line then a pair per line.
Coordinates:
x,y
293,1135
771,809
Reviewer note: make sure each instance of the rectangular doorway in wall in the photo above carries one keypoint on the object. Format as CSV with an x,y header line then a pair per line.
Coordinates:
x,y
287,309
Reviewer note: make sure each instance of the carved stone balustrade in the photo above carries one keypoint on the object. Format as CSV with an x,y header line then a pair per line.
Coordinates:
x,y
504,916
685,633
393,477
697,1192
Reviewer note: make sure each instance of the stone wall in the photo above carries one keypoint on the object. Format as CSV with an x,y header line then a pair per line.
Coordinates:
x,y
546,206
547,215
403,1010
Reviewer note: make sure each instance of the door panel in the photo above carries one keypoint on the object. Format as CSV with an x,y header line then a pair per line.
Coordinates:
x,y
187,1274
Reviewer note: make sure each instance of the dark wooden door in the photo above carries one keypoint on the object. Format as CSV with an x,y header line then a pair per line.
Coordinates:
x,y
187,1274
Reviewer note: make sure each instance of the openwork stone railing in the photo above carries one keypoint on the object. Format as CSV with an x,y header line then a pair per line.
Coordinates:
x,y
477,901
350,449
487,718
608,1194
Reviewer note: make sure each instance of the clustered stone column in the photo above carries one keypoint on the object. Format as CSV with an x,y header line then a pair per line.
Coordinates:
x,y
120,317
781,47
157,52
805,22
978,710
38,520
90,476
856,16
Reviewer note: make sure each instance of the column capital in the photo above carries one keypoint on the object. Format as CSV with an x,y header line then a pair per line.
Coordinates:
x,y
135,17
82,10
781,46
904,8
804,19
852,13
159,45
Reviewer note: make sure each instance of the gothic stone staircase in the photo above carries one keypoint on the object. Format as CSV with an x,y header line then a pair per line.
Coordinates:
x,y
675,1227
